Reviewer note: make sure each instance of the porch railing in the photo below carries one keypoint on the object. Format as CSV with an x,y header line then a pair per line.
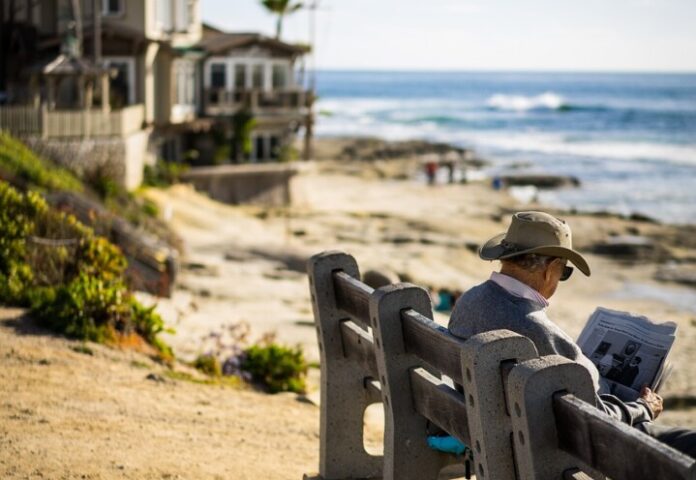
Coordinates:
x,y
22,120
220,101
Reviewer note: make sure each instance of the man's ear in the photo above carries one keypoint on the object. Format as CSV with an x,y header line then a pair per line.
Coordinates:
x,y
549,269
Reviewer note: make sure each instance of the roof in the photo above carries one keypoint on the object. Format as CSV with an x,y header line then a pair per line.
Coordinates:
x,y
225,41
70,66
209,29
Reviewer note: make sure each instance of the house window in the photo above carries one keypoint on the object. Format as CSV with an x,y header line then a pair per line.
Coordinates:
x,y
164,16
122,85
280,76
260,149
257,76
185,82
218,75
112,7
275,147
240,76
182,15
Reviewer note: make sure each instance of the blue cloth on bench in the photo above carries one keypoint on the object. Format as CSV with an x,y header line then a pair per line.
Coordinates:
x,y
447,444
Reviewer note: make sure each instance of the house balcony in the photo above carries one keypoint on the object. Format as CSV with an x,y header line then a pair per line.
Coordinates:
x,y
285,102
31,121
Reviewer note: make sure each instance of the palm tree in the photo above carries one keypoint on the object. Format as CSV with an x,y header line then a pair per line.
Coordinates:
x,y
281,8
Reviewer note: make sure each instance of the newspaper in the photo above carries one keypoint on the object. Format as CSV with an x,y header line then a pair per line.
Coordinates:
x,y
629,351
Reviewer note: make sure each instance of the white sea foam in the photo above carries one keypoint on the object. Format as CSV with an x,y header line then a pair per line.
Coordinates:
x,y
521,103
364,124
619,150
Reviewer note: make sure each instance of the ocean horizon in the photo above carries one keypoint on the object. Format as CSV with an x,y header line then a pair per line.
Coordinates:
x,y
630,138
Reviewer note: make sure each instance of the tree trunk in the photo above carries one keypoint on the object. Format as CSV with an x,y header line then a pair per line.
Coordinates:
x,y
279,26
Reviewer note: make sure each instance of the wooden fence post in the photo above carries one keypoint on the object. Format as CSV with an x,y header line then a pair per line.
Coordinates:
x,y
343,394
406,452
531,387
483,357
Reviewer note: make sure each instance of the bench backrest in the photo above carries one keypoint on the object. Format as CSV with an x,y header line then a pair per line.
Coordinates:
x,y
524,416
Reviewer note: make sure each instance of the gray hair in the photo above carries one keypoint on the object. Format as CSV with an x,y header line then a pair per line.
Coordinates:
x,y
532,262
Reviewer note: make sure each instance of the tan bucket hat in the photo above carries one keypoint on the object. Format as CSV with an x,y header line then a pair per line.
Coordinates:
x,y
534,232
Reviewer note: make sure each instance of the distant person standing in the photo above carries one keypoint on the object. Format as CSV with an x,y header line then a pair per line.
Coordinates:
x,y
431,171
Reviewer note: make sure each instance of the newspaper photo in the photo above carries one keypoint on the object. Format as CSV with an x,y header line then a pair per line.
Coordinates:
x,y
629,351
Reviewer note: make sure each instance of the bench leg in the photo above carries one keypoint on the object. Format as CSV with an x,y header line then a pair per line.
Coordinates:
x,y
406,453
344,397
490,427
531,386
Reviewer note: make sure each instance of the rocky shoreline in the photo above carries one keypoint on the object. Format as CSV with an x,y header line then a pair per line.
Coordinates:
x,y
632,238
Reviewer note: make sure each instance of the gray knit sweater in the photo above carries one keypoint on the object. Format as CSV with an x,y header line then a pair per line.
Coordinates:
x,y
490,307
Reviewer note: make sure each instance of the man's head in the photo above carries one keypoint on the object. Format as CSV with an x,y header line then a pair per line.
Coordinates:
x,y
535,250
541,272
635,361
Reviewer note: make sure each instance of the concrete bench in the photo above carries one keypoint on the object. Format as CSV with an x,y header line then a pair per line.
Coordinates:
x,y
524,416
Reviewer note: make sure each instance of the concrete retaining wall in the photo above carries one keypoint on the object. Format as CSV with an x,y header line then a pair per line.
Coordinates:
x,y
122,159
267,184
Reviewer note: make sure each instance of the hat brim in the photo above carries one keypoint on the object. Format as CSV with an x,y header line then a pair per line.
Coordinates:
x,y
493,249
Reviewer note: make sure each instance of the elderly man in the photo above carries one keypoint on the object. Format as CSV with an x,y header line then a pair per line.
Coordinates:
x,y
534,253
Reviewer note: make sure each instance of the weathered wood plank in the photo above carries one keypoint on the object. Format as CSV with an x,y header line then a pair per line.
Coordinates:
x,y
433,343
576,474
353,297
358,346
440,404
613,448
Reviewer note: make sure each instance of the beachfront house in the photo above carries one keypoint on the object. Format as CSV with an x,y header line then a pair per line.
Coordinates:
x,y
93,82
120,83
248,72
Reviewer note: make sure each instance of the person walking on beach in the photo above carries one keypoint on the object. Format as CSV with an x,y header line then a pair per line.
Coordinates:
x,y
534,254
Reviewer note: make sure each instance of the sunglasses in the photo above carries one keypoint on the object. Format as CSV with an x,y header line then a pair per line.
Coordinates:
x,y
567,272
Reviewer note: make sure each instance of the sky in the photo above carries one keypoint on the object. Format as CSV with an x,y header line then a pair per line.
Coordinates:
x,y
562,35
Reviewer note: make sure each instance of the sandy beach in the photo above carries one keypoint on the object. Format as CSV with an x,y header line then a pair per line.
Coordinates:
x,y
245,264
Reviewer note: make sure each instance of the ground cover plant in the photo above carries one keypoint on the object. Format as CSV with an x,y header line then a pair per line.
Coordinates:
x,y
71,279
22,165
264,362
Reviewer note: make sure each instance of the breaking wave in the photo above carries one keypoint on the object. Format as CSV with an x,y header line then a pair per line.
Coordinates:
x,y
522,103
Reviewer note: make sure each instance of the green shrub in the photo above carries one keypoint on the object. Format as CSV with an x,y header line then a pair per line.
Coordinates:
x,y
20,162
208,364
71,279
23,167
150,208
163,173
277,367
288,154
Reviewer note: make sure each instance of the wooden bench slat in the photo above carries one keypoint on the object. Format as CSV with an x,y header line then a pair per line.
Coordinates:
x,y
576,474
433,343
358,345
440,404
614,448
353,297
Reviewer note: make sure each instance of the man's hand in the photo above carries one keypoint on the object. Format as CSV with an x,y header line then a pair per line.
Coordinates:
x,y
652,400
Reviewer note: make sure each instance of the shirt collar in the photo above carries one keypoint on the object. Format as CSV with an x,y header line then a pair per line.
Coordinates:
x,y
519,289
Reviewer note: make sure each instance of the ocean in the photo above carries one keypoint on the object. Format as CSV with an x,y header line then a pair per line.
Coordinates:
x,y
629,138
